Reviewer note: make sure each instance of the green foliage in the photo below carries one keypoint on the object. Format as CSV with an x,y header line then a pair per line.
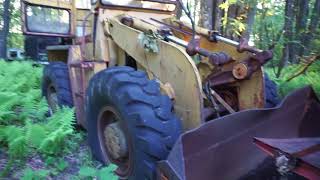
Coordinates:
x,y
87,172
237,26
315,43
268,27
225,7
30,174
62,165
149,42
59,126
24,127
35,134
105,173
25,130
15,38
311,77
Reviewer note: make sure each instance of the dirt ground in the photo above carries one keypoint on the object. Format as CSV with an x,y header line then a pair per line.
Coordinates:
x,y
75,160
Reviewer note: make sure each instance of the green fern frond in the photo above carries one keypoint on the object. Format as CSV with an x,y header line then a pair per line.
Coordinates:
x,y
41,110
54,141
59,127
13,132
3,135
18,147
35,134
63,118
24,126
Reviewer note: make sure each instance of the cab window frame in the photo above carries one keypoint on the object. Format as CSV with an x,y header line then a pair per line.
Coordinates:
x,y
27,31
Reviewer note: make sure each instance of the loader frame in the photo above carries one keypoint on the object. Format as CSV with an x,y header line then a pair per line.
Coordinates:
x,y
105,47
195,68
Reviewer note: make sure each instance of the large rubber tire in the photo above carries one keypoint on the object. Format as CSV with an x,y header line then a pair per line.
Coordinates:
x,y
56,74
271,93
146,114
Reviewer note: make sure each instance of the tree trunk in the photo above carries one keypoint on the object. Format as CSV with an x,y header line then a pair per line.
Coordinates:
x,y
179,11
216,15
233,12
288,27
314,23
262,33
302,9
250,19
205,14
4,32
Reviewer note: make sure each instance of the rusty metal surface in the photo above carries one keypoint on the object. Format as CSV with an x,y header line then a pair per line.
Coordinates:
x,y
192,48
306,149
240,71
223,148
215,58
250,91
303,152
244,46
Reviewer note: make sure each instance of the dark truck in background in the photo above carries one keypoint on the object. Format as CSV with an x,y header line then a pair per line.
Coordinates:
x,y
35,47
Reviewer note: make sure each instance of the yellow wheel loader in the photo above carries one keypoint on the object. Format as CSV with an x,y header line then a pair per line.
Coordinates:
x,y
162,99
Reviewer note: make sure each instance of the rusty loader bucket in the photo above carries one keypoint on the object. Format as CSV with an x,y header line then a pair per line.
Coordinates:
x,y
299,155
223,148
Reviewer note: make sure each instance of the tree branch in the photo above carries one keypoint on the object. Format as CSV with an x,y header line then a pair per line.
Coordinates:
x,y
307,62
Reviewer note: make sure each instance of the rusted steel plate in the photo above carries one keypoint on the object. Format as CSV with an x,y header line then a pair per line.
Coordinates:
x,y
223,148
306,151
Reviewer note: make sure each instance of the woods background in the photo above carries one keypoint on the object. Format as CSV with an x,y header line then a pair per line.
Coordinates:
x,y
35,146
289,27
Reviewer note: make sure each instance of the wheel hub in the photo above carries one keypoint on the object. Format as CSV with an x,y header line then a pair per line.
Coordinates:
x,y
115,141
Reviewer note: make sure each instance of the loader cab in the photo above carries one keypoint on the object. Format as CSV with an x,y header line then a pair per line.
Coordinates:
x,y
47,20
62,18
74,19
65,18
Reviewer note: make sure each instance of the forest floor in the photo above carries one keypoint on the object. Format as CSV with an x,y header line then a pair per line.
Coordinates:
x,y
34,145
36,163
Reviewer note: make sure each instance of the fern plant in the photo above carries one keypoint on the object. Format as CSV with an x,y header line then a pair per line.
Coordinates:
x,y
59,126
24,127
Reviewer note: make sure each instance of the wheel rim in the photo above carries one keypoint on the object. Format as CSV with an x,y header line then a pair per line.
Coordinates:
x,y
52,98
114,142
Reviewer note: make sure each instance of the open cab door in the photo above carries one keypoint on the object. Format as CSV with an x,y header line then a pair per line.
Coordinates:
x,y
48,18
